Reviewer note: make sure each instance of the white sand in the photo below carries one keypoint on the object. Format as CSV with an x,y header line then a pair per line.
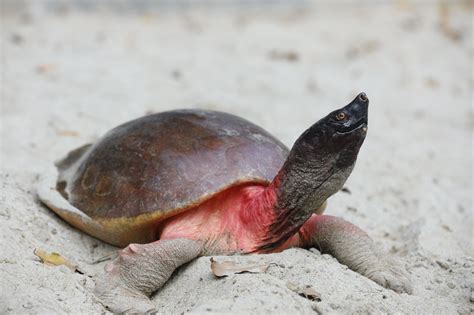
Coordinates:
x,y
67,78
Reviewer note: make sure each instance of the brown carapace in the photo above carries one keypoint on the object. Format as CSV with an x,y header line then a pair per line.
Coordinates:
x,y
157,166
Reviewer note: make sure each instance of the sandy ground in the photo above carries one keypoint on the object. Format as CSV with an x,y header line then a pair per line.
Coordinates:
x,y
70,76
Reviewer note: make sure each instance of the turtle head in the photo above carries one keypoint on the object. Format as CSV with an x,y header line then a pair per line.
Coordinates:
x,y
318,165
337,137
333,142
350,119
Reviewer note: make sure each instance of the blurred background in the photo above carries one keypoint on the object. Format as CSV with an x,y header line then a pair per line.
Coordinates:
x,y
72,70
281,63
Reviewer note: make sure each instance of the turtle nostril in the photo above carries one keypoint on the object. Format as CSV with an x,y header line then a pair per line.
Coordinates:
x,y
363,97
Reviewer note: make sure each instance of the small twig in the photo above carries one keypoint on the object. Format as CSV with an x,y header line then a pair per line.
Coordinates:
x,y
105,258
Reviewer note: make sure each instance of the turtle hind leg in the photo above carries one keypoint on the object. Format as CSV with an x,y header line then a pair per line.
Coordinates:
x,y
67,166
354,248
47,192
140,270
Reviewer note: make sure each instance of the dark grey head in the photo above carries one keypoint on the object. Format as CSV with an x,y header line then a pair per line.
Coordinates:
x,y
318,165
336,137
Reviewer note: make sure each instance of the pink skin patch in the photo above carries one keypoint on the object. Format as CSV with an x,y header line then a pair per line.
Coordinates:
x,y
236,220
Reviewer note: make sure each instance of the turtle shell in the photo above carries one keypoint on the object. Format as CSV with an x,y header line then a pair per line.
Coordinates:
x,y
159,165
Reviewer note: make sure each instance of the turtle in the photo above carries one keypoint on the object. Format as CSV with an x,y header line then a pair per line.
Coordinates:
x,y
173,186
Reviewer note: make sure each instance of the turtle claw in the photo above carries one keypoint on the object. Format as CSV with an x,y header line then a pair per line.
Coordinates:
x,y
122,300
115,294
392,276
118,297
140,270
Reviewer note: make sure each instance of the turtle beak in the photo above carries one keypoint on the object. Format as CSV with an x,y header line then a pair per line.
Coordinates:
x,y
358,111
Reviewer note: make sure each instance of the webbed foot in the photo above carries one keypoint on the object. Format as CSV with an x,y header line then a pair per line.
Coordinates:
x,y
391,275
123,300
355,249
117,289
140,270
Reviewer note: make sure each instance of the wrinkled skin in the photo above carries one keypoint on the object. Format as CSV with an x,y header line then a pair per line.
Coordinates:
x,y
260,218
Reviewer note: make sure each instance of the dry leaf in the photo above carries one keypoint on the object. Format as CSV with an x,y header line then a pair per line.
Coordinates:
x,y
226,268
311,294
307,292
55,259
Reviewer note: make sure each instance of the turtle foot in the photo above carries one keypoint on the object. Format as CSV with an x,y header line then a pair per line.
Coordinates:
x,y
392,275
123,300
119,287
140,270
354,248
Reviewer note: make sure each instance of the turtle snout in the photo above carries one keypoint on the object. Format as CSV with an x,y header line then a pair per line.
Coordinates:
x,y
362,97
360,104
358,109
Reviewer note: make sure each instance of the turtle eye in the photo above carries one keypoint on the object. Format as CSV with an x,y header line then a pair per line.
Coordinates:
x,y
341,116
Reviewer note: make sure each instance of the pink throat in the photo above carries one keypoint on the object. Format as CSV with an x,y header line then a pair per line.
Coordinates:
x,y
236,220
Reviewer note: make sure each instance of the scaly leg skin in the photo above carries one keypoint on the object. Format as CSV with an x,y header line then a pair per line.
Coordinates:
x,y
354,248
139,271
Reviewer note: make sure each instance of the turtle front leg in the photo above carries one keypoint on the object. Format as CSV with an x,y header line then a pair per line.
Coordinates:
x,y
353,247
140,270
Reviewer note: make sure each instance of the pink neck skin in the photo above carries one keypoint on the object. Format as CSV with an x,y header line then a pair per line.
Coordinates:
x,y
257,213
236,220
